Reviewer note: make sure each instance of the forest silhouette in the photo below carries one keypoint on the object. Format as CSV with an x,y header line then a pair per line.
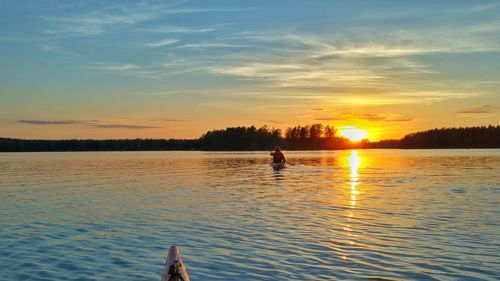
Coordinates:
x,y
308,137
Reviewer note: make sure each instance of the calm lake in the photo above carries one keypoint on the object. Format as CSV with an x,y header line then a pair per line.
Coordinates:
x,y
333,215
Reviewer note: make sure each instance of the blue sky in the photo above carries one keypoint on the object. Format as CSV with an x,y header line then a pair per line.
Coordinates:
x,y
100,69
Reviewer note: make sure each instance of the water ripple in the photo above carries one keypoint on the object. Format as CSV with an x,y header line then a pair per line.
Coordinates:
x,y
370,215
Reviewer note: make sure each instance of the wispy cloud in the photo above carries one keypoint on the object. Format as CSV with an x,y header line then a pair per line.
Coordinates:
x,y
399,120
170,93
99,124
172,120
123,126
154,94
157,69
392,57
94,24
270,121
50,48
52,122
126,69
417,97
287,58
206,45
361,71
168,120
162,43
483,110
268,97
175,29
116,66
348,116
202,10
123,15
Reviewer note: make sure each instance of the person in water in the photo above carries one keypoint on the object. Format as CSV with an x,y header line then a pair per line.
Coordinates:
x,y
278,156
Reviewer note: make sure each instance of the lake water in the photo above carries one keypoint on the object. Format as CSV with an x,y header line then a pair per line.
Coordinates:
x,y
333,215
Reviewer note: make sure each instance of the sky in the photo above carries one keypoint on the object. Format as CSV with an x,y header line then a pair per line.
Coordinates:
x,y
175,69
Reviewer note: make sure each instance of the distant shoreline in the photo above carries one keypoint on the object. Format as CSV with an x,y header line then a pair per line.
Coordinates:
x,y
242,151
310,137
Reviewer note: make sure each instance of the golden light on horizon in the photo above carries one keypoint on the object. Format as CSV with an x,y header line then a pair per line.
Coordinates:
x,y
354,134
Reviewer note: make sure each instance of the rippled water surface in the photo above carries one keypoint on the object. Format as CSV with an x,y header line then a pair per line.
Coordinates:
x,y
367,214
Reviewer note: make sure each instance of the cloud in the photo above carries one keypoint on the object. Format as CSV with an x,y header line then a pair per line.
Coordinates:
x,y
259,70
221,92
478,110
369,61
364,117
124,126
372,117
95,23
339,95
172,120
89,123
116,66
162,43
270,121
49,48
127,69
399,120
167,119
48,122
202,10
388,42
154,94
175,29
327,118
376,67
418,97
121,16
206,45
152,70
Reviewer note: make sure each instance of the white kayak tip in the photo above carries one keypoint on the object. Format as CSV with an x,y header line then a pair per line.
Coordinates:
x,y
174,269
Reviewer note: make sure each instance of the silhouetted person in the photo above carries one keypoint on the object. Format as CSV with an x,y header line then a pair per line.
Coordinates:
x,y
278,156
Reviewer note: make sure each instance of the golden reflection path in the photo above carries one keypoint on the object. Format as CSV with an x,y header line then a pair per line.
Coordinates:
x,y
353,163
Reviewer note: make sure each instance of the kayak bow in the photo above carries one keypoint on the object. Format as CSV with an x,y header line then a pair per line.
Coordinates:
x,y
278,166
174,270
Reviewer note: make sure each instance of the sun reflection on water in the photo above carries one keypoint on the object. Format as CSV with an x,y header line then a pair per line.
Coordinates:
x,y
354,161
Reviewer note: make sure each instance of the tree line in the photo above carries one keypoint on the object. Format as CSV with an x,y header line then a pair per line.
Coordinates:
x,y
317,137
308,137
241,138
11,145
468,137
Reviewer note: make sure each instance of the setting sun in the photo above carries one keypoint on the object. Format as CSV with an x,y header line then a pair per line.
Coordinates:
x,y
354,134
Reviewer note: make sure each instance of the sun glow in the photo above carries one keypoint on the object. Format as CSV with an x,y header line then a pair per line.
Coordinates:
x,y
354,134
